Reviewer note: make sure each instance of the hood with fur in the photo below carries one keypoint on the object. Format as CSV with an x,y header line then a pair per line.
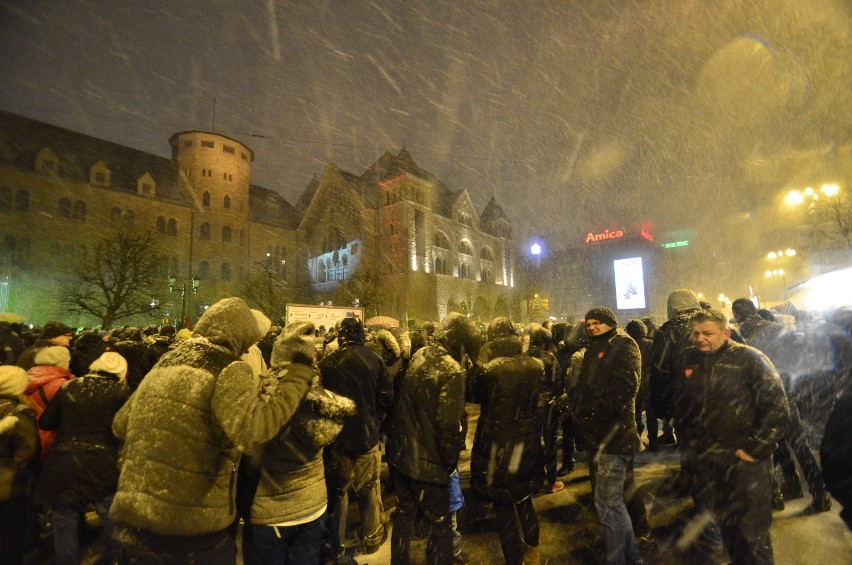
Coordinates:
x,y
231,324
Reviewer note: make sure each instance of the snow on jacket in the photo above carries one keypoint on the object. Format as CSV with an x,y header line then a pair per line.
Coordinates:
x,y
188,422
605,411
45,382
82,464
19,445
553,377
292,476
356,372
732,399
507,457
429,420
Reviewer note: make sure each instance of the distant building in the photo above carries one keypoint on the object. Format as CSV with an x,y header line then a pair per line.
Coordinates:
x,y
59,188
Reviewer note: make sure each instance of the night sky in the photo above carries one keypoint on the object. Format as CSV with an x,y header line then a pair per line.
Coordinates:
x,y
576,115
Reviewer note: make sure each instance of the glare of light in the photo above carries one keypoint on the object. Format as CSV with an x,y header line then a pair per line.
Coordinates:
x,y
829,290
830,189
794,197
790,252
535,249
772,255
700,295
809,191
768,274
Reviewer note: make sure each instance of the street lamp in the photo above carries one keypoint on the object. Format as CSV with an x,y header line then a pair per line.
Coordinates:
x,y
195,282
777,256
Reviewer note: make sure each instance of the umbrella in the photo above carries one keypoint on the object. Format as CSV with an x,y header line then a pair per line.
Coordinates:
x,y
11,317
384,321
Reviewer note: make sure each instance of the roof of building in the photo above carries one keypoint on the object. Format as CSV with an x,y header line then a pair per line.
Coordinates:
x,y
269,207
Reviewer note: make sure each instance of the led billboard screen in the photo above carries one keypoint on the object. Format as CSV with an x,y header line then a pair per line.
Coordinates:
x,y
629,284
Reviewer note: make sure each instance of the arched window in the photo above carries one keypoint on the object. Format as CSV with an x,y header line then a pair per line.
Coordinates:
x,y
345,262
171,229
226,234
485,253
441,240
225,272
203,270
205,231
161,225
22,201
227,203
80,211
205,199
465,247
440,265
64,208
115,215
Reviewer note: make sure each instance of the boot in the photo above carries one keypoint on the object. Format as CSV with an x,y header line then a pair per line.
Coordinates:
x,y
777,501
821,502
532,555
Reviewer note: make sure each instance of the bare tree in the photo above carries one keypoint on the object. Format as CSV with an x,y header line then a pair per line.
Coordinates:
x,y
119,279
266,290
367,287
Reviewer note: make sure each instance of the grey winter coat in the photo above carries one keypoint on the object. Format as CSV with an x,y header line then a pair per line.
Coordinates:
x,y
188,422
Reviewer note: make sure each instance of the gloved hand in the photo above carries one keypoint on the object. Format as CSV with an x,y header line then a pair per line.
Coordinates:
x,y
295,344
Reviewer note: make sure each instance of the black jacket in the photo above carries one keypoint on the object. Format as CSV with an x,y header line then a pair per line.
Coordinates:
x,y
732,399
605,412
429,423
670,341
553,378
507,456
82,464
357,373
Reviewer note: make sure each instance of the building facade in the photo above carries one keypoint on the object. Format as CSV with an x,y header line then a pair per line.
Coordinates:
x,y
60,190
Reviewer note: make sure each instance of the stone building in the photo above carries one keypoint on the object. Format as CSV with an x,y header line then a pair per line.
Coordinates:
x,y
60,189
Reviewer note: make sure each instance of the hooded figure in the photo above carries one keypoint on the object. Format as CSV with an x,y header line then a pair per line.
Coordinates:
x,y
507,462
49,373
428,433
185,428
670,341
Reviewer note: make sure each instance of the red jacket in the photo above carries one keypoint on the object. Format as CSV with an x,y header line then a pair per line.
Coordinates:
x,y
45,380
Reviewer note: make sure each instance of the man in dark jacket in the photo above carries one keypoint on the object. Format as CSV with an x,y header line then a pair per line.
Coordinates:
x,y
605,415
735,412
353,460
507,462
552,387
428,429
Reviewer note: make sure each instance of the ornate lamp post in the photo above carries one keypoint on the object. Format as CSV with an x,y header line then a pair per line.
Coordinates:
x,y
195,282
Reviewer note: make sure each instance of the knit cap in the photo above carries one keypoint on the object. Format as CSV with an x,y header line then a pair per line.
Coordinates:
x,y
55,356
13,380
602,314
110,362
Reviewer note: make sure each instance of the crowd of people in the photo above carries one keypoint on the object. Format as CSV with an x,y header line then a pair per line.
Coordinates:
x,y
186,443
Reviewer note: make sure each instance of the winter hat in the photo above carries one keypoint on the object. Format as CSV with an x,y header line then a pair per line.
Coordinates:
x,y
55,329
602,314
167,330
540,337
183,333
385,345
110,362
351,331
636,329
13,380
55,356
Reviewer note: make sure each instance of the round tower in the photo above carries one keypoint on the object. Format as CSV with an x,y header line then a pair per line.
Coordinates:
x,y
213,171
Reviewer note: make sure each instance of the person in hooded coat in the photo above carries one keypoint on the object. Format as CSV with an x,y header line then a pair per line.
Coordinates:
x,y
552,387
19,449
185,428
50,372
428,431
285,522
81,467
507,462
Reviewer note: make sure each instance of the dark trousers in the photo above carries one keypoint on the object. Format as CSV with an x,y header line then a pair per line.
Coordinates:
x,y
796,443
509,514
569,435
13,525
285,545
740,497
547,420
152,549
433,502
